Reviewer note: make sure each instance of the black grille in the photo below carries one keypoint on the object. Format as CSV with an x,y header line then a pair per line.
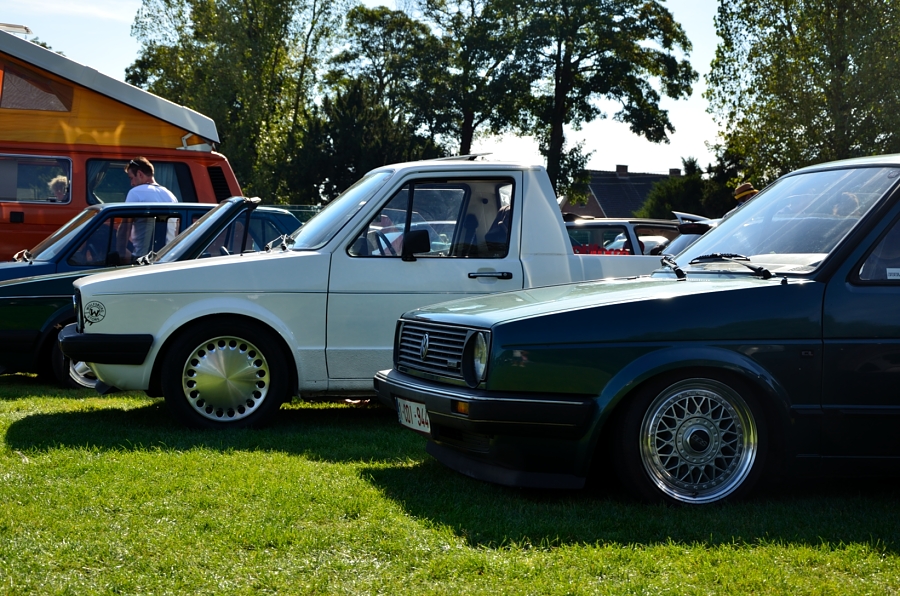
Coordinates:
x,y
445,348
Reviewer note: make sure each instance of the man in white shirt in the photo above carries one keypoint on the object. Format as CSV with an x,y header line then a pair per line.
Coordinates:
x,y
144,189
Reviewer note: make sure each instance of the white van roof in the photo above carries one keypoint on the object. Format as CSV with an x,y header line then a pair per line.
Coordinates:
x,y
180,116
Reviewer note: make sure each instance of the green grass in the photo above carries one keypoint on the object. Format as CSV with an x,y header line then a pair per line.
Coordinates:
x,y
108,495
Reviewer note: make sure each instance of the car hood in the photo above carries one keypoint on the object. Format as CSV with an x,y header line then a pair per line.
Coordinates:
x,y
245,273
56,284
647,308
17,269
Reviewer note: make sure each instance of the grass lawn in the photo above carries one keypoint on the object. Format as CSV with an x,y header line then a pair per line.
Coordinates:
x,y
108,495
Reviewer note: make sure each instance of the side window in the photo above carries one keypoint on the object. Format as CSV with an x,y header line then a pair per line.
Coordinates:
x,y
262,230
600,240
654,239
35,179
883,264
462,218
229,240
107,181
122,241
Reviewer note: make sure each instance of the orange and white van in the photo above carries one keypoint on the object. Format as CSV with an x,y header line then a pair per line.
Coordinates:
x,y
59,118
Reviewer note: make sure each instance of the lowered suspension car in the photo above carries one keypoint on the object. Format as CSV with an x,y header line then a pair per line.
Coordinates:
x,y
769,346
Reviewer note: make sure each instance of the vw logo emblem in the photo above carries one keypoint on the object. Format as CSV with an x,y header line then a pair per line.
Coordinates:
x,y
423,349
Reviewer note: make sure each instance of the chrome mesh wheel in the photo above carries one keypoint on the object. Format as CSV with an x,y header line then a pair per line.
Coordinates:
x,y
698,441
225,379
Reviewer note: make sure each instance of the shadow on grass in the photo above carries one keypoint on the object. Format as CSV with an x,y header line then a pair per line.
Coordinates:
x,y
811,513
19,386
329,432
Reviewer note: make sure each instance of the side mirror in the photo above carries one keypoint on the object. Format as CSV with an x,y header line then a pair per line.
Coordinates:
x,y
414,242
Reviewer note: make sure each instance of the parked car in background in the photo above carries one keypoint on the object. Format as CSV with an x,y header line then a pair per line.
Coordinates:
x,y
619,236
34,308
769,346
688,233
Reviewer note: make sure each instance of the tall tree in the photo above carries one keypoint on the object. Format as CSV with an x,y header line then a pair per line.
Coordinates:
x,y
483,84
248,64
798,82
581,51
351,133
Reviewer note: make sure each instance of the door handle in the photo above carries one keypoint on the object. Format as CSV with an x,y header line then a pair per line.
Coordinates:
x,y
496,274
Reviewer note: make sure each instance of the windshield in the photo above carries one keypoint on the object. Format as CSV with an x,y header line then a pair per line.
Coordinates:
x,y
173,250
795,223
329,221
62,237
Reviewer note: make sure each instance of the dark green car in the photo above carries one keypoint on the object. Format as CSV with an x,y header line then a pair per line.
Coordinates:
x,y
771,346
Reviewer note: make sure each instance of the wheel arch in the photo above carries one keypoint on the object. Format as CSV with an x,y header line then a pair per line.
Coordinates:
x,y
49,330
155,387
618,393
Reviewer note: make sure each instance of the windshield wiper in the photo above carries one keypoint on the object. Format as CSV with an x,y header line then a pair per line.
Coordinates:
x,y
733,258
669,261
283,241
24,255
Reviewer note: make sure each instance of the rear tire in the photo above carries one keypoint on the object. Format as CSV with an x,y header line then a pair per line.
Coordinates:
x,y
692,439
225,374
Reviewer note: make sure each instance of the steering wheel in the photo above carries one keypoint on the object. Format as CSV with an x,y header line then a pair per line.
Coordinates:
x,y
377,239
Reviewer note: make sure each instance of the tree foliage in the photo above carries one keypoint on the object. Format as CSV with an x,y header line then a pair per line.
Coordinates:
x,y
580,51
798,82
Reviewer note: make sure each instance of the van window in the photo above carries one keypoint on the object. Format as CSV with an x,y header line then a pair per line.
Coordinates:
x,y
107,181
35,179
24,89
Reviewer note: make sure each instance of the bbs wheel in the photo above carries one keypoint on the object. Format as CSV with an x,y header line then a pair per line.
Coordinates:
x,y
225,374
695,440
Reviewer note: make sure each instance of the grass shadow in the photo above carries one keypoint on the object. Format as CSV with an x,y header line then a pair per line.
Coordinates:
x,y
328,432
812,513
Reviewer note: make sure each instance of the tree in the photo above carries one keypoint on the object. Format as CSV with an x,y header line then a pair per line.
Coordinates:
x,y
803,81
676,193
248,64
580,51
352,133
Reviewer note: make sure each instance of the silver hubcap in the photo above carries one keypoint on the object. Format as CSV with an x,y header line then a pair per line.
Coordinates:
x,y
698,441
225,379
82,374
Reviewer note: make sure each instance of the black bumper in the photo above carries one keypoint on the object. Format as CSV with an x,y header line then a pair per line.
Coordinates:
x,y
104,348
540,441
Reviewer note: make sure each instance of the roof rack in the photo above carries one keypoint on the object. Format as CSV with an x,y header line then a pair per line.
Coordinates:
x,y
470,157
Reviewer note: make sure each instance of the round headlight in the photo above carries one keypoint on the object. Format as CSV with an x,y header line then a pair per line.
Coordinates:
x,y
479,357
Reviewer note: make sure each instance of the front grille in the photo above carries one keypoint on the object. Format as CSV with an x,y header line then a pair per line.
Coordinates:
x,y
444,353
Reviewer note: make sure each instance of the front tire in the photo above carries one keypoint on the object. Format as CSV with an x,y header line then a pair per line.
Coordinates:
x,y
692,440
225,374
69,374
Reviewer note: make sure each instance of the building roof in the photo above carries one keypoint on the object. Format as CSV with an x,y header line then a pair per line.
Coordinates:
x,y
68,69
616,193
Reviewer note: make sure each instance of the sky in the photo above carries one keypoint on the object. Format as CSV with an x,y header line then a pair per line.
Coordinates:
x,y
97,33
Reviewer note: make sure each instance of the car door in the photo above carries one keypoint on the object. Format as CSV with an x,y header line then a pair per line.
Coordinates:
x,y
472,248
861,328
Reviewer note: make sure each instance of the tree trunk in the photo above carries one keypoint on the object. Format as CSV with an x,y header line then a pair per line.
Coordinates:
x,y
466,133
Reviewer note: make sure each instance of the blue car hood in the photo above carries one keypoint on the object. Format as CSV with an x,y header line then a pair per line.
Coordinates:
x,y
17,269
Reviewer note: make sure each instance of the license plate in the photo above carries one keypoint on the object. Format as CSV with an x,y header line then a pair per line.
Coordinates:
x,y
413,415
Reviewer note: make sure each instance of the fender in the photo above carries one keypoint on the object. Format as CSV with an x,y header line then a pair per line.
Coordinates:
x,y
669,359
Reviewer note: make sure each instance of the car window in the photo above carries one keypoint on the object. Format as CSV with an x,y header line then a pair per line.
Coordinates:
x,y
594,239
108,182
61,238
123,240
35,179
466,218
883,263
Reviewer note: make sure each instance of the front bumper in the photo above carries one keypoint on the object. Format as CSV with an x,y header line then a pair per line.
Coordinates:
x,y
511,439
104,348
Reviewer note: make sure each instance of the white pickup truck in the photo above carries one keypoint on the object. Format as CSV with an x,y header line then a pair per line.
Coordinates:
x,y
226,341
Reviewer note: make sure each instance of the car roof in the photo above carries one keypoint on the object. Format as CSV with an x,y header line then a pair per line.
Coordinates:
x,y
581,222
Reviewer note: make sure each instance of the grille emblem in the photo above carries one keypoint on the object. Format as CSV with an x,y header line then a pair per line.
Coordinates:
x,y
423,349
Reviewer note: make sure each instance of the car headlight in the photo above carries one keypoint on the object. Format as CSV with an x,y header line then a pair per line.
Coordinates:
x,y
475,358
79,315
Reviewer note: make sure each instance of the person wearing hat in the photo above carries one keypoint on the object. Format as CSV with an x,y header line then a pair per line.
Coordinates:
x,y
744,192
